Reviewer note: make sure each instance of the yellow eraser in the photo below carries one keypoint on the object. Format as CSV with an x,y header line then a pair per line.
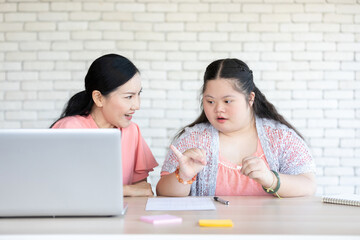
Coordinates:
x,y
215,223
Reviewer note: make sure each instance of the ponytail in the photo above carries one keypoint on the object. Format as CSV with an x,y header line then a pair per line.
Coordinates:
x,y
79,104
264,109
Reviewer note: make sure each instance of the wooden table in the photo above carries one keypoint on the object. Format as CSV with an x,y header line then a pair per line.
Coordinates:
x,y
253,217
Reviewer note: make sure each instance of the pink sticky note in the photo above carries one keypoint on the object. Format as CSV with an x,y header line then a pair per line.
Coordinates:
x,y
161,219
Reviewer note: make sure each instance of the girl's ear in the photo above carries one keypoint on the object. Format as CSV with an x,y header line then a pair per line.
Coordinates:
x,y
251,98
97,98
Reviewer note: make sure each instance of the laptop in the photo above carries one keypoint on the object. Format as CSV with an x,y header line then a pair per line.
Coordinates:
x,y
60,172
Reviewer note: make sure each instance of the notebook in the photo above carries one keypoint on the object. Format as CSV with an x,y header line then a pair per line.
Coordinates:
x,y
60,172
344,199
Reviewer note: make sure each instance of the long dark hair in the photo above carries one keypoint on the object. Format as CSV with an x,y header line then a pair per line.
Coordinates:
x,y
242,77
105,74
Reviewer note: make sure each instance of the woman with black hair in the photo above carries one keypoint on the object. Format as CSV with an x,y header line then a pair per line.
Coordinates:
x,y
239,145
111,97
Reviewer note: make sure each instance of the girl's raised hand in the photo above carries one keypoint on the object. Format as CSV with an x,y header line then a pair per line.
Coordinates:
x,y
255,168
191,161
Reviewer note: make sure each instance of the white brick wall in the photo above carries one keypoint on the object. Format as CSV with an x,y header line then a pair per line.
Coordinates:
x,y
305,56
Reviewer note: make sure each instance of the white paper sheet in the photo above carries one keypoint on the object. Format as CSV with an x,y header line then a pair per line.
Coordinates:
x,y
179,203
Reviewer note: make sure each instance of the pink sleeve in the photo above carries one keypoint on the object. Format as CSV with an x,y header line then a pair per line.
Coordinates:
x,y
144,161
76,122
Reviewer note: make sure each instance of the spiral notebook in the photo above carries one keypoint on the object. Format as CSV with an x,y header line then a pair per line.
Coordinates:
x,y
344,199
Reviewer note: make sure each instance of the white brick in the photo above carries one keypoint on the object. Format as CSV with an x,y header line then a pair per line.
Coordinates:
x,y
317,65
348,123
288,8
323,85
169,27
20,95
11,27
33,7
344,94
321,46
38,105
176,94
351,142
349,104
349,46
350,66
185,114
340,114
313,37
130,7
322,123
275,37
169,104
339,171
154,94
101,26
85,16
258,46
152,36
133,26
182,36
72,26
327,180
8,7
227,7
198,27
20,36
20,17
22,76
167,123
194,7
244,17
210,56
51,36
65,45
286,66
231,27
162,7
68,85
291,85
195,46
278,75
20,115
308,113
338,75
348,8
98,6
53,55
55,75
182,75
350,28
245,37
276,56
275,18
307,17
53,16
257,8
67,65
338,56
12,66
263,27
149,17
350,181
6,86
36,85
215,37
294,27
165,46
150,113
338,190
35,46
66,6
150,55
309,94
40,26
166,65
9,47
324,27
100,45
115,16
342,133
338,18
287,46
292,104
181,17
308,56
53,95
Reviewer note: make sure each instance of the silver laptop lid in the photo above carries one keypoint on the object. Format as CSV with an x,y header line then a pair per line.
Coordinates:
x,y
60,172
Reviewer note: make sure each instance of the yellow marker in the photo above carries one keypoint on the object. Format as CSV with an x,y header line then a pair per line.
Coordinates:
x,y
215,223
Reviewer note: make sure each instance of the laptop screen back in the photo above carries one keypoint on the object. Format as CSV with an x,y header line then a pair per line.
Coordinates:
x,y
60,172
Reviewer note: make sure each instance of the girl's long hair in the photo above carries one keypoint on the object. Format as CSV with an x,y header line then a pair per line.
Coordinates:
x,y
237,71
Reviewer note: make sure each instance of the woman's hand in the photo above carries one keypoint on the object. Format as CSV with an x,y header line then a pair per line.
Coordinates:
x,y
255,168
139,189
191,162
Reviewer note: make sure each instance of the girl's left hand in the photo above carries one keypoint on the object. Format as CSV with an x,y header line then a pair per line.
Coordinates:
x,y
255,168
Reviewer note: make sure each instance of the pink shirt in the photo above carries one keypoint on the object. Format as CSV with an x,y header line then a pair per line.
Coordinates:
x,y
137,159
230,182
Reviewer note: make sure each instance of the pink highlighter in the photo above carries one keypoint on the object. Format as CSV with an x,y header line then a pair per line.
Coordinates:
x,y
161,219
